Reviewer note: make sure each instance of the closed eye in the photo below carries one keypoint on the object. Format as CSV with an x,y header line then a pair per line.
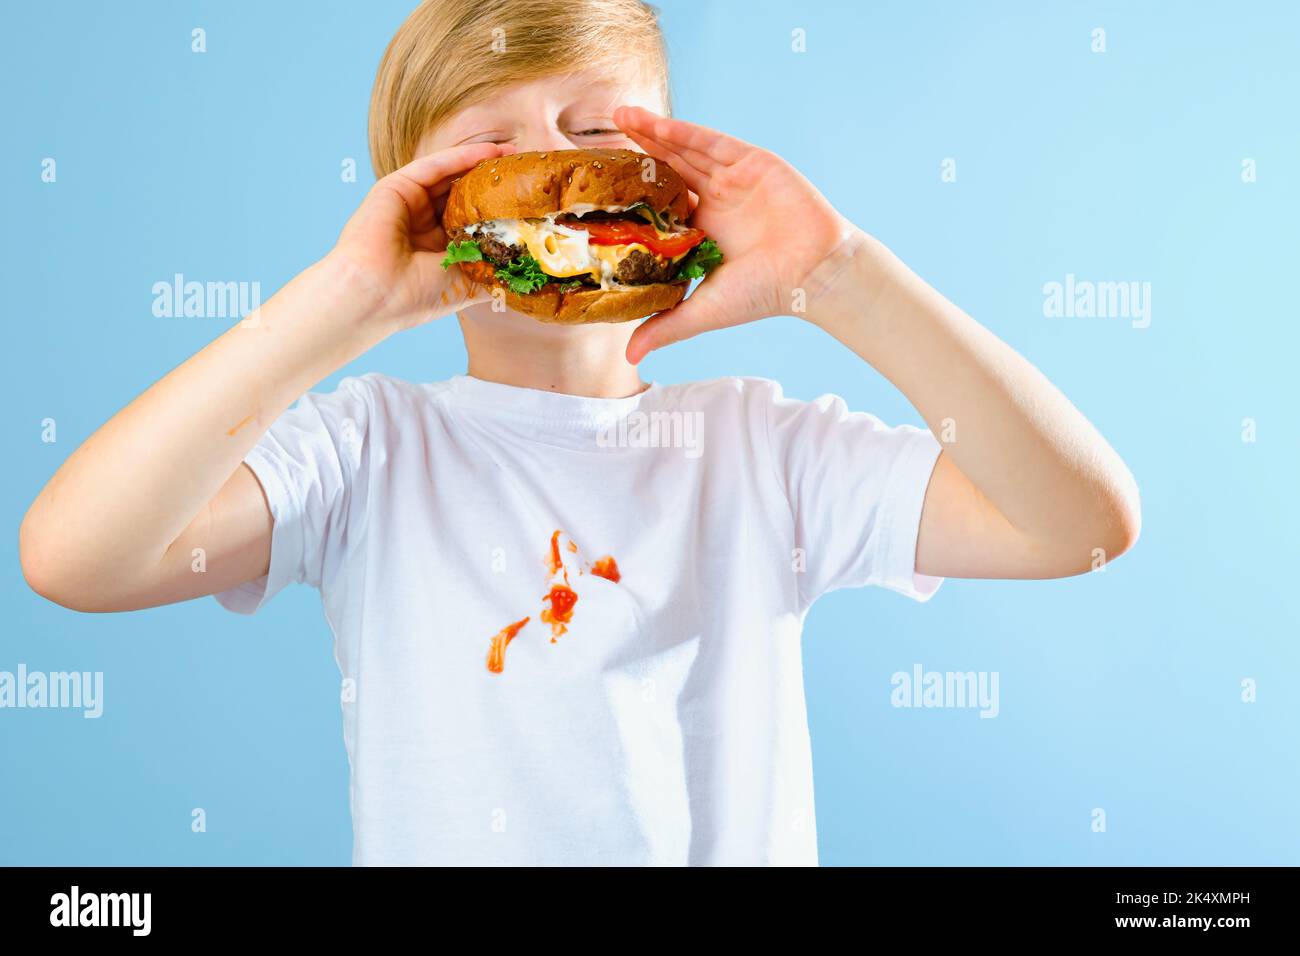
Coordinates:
x,y
595,132
494,137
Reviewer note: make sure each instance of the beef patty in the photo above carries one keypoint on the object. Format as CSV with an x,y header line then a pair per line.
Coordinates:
x,y
641,268
494,250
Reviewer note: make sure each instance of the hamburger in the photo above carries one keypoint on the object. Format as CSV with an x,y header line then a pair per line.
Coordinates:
x,y
577,235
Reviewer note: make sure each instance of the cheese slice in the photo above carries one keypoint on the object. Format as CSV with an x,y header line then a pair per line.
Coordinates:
x,y
559,250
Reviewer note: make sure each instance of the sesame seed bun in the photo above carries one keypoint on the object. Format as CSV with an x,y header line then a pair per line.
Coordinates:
x,y
533,185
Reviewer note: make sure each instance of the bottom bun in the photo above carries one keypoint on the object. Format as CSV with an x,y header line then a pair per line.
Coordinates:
x,y
577,306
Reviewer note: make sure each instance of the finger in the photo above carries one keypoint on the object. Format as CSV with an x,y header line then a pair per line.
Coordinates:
x,y
443,186
455,290
431,170
418,181
691,158
698,160
705,309
656,147
434,240
439,207
679,134
695,179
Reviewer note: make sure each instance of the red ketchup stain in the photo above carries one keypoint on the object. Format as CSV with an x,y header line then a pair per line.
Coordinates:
x,y
561,599
560,613
606,568
554,563
497,653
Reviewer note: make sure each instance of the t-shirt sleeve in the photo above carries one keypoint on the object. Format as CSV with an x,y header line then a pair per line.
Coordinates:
x,y
307,464
856,488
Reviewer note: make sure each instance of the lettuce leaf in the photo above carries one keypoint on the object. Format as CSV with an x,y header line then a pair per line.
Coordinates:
x,y
700,261
466,250
522,274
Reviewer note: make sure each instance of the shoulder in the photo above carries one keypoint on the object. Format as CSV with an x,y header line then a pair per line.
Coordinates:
x,y
374,396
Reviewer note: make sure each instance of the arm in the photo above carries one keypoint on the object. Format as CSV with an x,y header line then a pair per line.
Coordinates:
x,y
1028,490
116,526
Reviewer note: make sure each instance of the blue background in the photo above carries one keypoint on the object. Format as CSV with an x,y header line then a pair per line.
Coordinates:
x,y
1119,690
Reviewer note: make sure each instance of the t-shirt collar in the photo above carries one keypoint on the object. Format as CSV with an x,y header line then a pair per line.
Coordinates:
x,y
544,405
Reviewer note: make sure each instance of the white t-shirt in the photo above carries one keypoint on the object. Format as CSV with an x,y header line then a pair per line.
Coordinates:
x,y
665,723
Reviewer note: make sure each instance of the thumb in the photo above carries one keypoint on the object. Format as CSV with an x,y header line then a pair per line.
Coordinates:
x,y
434,292
705,309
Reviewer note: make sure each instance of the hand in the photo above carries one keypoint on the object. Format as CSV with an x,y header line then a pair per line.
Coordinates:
x,y
394,244
772,225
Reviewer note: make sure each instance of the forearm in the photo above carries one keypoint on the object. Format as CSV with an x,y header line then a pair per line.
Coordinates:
x,y
1013,435
122,498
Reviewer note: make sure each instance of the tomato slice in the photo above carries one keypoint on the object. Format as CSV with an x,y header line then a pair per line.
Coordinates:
x,y
618,232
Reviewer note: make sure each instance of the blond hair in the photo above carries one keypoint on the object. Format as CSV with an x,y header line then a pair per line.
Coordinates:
x,y
450,54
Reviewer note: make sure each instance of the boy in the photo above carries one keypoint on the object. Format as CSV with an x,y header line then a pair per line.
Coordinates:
x,y
655,714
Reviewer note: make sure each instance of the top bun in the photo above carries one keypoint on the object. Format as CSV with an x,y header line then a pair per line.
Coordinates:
x,y
533,185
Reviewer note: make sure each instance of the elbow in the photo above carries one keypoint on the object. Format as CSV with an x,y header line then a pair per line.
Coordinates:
x,y
1121,525
45,571
40,569
1107,528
